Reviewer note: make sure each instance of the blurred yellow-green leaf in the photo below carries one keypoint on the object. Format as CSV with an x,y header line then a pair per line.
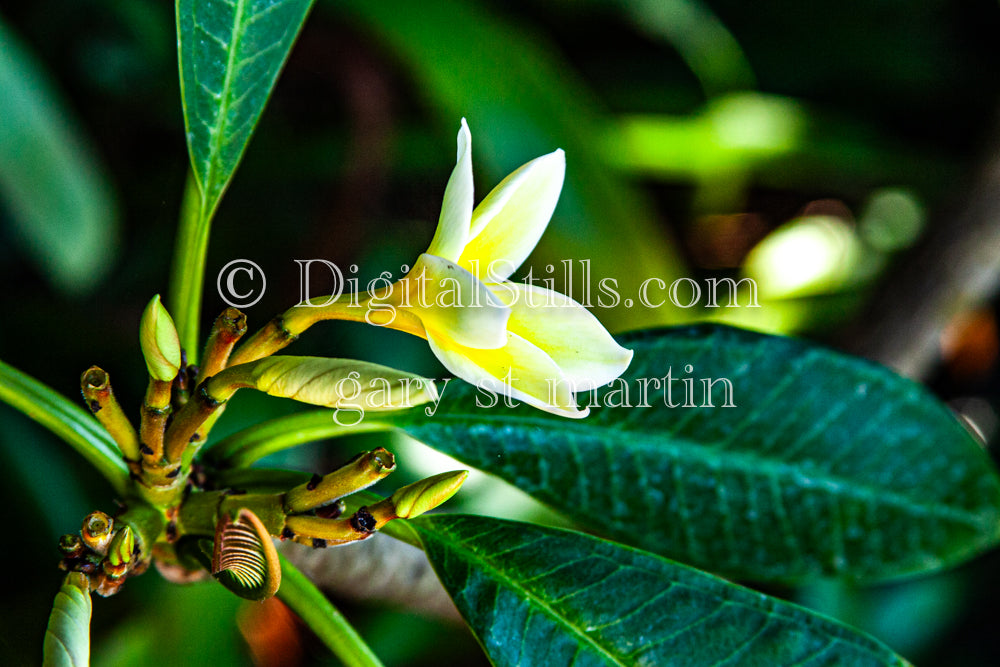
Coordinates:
x,y
52,184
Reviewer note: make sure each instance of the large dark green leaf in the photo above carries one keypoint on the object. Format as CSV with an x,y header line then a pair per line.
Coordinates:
x,y
66,420
67,638
52,184
827,465
542,596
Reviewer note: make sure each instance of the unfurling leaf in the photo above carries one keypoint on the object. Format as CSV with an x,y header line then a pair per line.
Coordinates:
x,y
244,559
67,638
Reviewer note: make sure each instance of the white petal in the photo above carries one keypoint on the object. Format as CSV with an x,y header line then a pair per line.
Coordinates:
x,y
569,333
507,224
453,303
518,370
452,231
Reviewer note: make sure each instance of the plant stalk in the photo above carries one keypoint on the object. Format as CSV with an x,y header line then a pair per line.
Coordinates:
x,y
187,273
96,387
302,596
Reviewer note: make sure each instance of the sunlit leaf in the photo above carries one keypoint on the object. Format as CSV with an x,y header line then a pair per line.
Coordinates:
x,y
53,186
542,596
828,464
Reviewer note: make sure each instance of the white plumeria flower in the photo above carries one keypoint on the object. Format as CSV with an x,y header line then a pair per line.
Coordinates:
x,y
517,340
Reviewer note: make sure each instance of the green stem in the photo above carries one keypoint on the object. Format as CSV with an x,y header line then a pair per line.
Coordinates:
x,y
254,443
302,596
398,529
66,420
187,273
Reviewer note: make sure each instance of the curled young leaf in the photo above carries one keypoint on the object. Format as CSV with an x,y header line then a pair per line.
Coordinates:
x,y
244,559
67,637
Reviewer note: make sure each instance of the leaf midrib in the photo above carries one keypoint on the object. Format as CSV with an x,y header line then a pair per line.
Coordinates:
x,y
776,609
755,465
223,115
486,566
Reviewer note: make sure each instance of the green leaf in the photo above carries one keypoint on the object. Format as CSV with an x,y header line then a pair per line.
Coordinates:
x,y
68,421
230,54
544,596
53,185
67,638
302,597
828,464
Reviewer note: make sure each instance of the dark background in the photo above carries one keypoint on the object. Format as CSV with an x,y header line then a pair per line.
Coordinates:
x,y
349,163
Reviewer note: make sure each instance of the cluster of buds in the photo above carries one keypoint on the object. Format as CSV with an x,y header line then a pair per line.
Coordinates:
x,y
242,552
314,510
230,531
158,471
107,553
183,402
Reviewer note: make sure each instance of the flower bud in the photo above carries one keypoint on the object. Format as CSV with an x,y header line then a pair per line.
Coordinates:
x,y
159,342
333,383
415,499
122,546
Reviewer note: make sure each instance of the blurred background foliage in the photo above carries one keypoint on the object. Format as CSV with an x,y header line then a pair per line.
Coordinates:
x,y
840,154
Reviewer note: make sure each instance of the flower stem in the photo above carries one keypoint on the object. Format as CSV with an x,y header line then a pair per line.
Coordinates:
x,y
66,420
183,432
229,327
302,596
285,329
155,410
96,386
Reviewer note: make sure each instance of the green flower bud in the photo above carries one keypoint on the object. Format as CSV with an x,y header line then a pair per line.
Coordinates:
x,y
415,499
160,345
122,546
